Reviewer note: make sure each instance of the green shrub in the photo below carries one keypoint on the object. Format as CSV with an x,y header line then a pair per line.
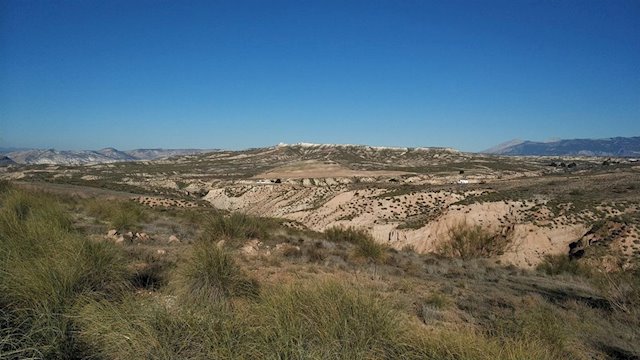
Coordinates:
x,y
471,241
366,246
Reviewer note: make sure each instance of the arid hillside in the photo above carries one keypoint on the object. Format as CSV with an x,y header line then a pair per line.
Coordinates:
x,y
88,273
406,197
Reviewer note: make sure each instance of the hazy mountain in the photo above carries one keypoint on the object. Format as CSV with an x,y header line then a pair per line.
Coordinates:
x,y
81,157
617,146
498,149
67,157
116,154
4,161
152,154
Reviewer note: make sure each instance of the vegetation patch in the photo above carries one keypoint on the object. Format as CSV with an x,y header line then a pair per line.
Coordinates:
x,y
211,273
236,228
472,241
120,214
562,264
45,270
366,246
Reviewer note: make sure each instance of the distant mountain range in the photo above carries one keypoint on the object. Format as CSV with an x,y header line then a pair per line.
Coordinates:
x,y
83,157
617,146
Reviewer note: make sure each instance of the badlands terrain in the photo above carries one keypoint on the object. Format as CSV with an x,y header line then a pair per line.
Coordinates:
x,y
322,252
406,197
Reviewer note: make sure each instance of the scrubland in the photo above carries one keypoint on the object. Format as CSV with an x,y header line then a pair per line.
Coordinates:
x,y
244,287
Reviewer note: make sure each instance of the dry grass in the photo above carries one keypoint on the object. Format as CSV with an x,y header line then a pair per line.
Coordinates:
x,y
236,228
211,273
63,296
366,246
472,241
45,267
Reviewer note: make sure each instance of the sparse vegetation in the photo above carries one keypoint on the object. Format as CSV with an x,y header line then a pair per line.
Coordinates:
x,y
561,264
211,273
120,214
66,293
46,269
472,241
235,228
366,246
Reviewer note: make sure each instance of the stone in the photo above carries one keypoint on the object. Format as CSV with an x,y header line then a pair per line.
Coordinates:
x,y
112,233
251,248
173,239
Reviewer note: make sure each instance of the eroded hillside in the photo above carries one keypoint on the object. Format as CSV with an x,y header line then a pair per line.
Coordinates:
x,y
406,197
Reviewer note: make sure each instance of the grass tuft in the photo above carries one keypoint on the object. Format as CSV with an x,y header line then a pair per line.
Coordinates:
x,y
211,273
235,228
366,246
122,215
44,268
561,264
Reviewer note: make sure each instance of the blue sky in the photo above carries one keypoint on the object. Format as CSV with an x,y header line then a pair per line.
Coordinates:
x,y
238,74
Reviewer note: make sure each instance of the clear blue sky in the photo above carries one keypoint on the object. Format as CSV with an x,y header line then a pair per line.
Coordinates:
x,y
237,74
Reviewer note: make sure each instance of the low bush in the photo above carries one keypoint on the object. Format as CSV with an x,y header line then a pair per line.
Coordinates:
x,y
562,264
471,241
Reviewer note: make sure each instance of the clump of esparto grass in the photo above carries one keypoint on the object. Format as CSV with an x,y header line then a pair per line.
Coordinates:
x,y
5,186
122,215
562,264
538,321
326,321
211,272
44,268
322,320
316,252
235,228
622,291
472,241
366,246
147,328
409,248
